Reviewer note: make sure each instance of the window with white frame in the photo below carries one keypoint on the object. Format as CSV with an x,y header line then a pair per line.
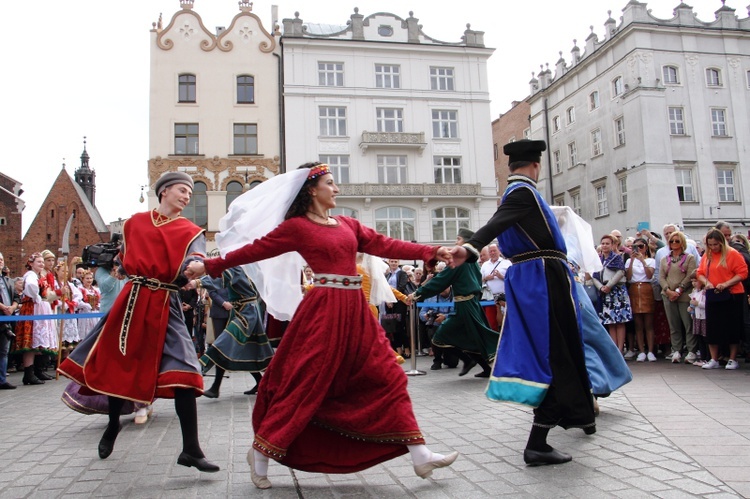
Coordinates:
x,y
725,184
556,161
447,170
573,154
670,74
332,121
571,115
676,121
620,131
391,169
527,134
390,120
622,184
596,142
575,201
617,86
602,205
684,181
444,124
594,100
339,165
387,76
442,79
713,77
346,212
747,78
446,222
245,138
559,200
396,222
718,122
555,124
331,74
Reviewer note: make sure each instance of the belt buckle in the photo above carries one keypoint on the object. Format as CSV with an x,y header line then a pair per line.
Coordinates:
x,y
152,284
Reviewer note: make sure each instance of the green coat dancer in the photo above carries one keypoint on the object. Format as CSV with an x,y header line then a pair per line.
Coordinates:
x,y
466,329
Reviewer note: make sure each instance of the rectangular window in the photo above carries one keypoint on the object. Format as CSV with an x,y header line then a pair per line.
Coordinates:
x,y
573,154
445,124
725,182
527,134
594,100
496,151
331,74
575,202
391,169
442,79
555,124
596,142
390,120
245,89
186,138
602,207
387,76
713,77
617,86
332,121
447,170
620,131
684,181
718,122
571,114
245,138
186,91
339,165
559,200
676,121
670,75
557,164
623,185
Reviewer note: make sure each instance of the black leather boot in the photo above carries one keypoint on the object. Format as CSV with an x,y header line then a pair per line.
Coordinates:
x,y
39,362
29,378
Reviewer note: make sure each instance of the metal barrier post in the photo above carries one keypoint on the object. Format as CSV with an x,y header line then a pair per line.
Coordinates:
x,y
413,318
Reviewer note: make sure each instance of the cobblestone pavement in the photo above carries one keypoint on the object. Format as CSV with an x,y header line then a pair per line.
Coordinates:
x,y
675,431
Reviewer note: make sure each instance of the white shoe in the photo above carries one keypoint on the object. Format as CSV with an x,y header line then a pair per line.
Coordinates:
x,y
676,357
641,357
629,355
260,481
711,364
142,414
732,364
652,358
691,357
425,470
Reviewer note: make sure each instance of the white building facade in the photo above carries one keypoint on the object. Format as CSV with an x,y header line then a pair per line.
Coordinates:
x,y
403,120
215,109
650,125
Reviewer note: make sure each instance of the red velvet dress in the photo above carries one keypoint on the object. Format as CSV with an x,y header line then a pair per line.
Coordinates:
x,y
333,399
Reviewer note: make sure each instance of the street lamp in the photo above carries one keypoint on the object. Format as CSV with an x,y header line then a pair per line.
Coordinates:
x,y
142,199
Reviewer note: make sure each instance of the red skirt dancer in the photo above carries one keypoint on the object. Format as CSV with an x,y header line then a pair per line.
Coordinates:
x,y
333,400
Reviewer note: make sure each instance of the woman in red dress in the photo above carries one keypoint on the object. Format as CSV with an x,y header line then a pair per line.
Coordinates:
x,y
333,399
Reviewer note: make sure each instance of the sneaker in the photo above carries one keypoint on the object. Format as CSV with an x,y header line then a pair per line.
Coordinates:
x,y
690,358
676,357
732,364
669,357
699,363
641,357
652,358
629,355
711,364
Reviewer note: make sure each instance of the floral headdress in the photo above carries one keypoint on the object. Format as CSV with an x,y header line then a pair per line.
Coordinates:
x,y
318,171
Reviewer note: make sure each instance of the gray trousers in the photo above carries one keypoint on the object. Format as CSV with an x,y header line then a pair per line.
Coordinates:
x,y
679,320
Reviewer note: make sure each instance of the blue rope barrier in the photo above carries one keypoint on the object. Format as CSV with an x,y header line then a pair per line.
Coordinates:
x,y
54,317
448,304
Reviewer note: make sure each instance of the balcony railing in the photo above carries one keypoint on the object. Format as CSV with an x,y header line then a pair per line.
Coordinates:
x,y
393,139
421,190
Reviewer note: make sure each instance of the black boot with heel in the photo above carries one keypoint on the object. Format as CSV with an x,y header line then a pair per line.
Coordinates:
x,y
29,378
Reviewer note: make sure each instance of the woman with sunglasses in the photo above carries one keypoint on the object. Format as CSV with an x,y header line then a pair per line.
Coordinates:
x,y
674,277
639,272
614,296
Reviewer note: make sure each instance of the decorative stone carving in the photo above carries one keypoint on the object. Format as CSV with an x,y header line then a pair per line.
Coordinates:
x,y
334,147
199,168
390,139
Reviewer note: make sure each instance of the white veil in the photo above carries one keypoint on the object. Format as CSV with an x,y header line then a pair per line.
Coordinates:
x,y
253,215
578,239
380,290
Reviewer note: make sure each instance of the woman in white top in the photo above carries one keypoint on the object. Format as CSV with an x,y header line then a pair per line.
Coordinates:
x,y
639,272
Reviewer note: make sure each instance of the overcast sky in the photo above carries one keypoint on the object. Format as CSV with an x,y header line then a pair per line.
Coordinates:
x,y
80,67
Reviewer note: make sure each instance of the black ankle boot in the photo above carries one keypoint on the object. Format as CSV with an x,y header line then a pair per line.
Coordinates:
x,y
39,362
29,378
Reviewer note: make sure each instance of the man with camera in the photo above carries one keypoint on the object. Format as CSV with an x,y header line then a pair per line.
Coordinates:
x,y
9,301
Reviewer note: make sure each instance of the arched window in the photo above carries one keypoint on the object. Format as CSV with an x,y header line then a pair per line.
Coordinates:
x,y
197,210
347,212
446,222
670,74
713,77
396,222
234,189
186,90
245,89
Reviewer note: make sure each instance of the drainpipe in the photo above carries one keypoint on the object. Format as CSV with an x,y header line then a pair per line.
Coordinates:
x,y
282,142
549,152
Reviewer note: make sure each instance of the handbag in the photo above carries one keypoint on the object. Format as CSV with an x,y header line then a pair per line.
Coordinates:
x,y
487,293
717,296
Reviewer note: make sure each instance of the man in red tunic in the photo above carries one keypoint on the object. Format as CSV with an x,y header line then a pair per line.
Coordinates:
x,y
142,349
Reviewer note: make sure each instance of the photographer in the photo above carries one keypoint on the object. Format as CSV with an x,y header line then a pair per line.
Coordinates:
x,y
9,303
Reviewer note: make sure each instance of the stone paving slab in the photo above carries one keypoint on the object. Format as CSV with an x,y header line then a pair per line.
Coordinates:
x,y
675,431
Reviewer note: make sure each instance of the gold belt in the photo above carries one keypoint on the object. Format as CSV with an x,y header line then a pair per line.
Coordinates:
x,y
138,281
463,298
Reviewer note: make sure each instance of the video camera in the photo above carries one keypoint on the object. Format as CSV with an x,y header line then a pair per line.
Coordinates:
x,y
102,254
